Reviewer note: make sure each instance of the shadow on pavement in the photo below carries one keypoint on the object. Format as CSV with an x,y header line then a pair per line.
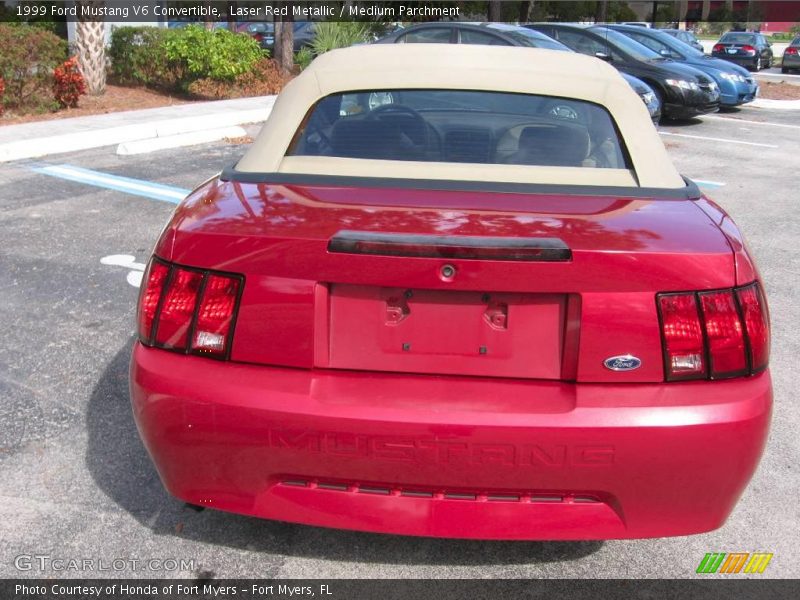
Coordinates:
x,y
122,469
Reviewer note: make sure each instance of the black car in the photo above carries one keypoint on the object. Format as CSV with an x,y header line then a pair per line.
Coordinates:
x,y
683,91
751,50
503,34
687,37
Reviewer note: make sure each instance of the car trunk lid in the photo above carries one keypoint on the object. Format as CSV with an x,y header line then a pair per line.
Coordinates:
x,y
309,302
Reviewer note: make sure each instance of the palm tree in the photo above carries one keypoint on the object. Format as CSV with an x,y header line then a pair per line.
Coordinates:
x,y
284,41
91,45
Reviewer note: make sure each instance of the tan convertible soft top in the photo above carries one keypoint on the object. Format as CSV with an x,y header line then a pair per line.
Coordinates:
x,y
464,67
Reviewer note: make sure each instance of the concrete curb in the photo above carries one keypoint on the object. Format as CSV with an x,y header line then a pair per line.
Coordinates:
x,y
780,104
181,139
92,133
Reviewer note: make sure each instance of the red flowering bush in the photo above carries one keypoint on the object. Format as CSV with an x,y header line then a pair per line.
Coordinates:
x,y
68,83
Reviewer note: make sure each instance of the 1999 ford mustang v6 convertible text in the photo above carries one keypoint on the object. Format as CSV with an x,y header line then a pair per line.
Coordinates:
x,y
456,291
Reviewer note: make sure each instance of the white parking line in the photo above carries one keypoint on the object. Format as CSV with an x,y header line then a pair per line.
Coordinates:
x,y
134,276
735,120
715,139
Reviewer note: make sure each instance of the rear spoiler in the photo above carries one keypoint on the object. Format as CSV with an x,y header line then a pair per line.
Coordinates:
x,y
689,192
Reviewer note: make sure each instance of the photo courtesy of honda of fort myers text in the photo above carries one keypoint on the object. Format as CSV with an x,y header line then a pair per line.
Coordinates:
x,y
429,299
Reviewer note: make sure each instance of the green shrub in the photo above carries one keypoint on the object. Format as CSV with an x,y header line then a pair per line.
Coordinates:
x,y
138,57
28,56
214,54
332,35
174,58
304,57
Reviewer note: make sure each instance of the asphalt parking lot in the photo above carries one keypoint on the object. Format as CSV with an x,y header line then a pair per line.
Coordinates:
x,y
77,483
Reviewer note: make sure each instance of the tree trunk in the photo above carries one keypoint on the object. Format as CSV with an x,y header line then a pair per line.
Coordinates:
x,y
705,10
494,11
525,10
601,11
91,47
284,43
231,18
209,20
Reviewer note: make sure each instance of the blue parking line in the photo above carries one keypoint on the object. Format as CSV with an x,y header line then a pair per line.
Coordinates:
x,y
127,185
708,184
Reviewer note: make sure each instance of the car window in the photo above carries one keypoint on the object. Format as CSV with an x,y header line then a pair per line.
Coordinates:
x,y
533,39
627,45
470,36
738,38
796,41
433,35
461,126
651,43
580,42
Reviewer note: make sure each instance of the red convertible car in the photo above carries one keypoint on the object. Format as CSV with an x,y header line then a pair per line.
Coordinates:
x,y
455,291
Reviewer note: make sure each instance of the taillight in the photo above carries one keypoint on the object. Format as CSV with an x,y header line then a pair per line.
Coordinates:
x,y
188,310
715,334
177,308
748,49
683,336
790,50
756,323
724,334
151,293
718,48
215,315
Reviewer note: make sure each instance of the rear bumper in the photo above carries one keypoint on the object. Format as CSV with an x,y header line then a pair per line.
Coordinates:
x,y
745,61
790,61
450,456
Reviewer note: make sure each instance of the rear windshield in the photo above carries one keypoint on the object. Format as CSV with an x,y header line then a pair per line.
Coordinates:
x,y
459,126
738,38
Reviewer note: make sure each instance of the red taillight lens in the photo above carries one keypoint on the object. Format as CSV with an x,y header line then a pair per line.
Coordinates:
x,y
748,48
683,337
727,337
718,48
148,300
189,310
756,322
790,50
178,308
215,315
726,348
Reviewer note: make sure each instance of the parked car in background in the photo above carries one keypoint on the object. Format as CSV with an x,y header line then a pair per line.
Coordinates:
x,y
682,90
687,37
751,50
489,34
502,34
736,85
264,33
481,307
791,56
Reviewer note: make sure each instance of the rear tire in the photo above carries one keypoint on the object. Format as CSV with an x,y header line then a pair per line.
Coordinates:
x,y
784,70
759,65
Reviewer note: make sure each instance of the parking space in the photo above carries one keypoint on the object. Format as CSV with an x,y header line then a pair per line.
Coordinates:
x,y
76,481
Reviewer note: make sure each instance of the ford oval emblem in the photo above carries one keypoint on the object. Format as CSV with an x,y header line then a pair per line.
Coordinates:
x,y
625,362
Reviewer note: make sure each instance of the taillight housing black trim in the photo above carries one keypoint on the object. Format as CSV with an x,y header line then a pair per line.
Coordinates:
x,y
708,372
150,340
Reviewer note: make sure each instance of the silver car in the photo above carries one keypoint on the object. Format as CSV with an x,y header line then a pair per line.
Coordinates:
x,y
791,56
